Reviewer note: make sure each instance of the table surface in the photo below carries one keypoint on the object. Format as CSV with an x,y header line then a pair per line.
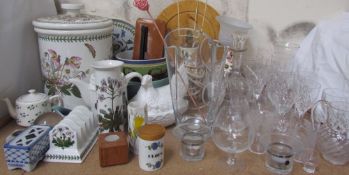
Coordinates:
x,y
211,164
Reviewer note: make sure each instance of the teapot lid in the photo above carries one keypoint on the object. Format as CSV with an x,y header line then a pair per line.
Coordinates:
x,y
72,19
33,96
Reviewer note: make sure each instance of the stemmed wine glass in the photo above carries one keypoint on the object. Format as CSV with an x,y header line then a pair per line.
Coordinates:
x,y
281,92
257,75
307,92
231,132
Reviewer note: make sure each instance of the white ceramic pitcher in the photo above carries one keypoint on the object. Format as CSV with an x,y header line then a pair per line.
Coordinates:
x,y
106,94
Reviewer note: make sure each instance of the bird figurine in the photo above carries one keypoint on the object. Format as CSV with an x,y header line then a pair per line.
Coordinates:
x,y
158,100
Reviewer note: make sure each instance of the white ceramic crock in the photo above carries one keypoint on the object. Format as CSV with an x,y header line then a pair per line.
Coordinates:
x,y
69,44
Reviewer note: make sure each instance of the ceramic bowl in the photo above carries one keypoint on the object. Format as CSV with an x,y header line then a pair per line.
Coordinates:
x,y
155,67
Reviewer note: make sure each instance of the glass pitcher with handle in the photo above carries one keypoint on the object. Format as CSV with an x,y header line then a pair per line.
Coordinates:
x,y
195,66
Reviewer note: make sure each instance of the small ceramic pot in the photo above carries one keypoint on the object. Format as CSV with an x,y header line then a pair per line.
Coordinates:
x,y
151,147
69,44
28,148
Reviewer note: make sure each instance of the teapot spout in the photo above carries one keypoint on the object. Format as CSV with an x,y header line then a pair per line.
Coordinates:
x,y
11,108
84,89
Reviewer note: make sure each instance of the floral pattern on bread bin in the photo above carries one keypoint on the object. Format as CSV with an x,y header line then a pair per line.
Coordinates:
x,y
59,70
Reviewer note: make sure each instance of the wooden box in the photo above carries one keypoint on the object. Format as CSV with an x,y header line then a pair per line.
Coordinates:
x,y
113,149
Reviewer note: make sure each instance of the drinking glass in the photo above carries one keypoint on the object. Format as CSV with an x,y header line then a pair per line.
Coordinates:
x,y
334,132
262,124
281,92
284,52
257,75
306,97
231,131
281,148
308,91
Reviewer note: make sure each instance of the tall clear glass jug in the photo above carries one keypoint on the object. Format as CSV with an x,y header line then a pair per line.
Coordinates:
x,y
195,66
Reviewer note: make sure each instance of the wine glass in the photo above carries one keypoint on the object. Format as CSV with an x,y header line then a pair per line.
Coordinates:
x,y
257,75
231,132
281,92
307,92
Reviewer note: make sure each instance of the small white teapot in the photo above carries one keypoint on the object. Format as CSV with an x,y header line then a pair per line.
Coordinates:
x,y
30,106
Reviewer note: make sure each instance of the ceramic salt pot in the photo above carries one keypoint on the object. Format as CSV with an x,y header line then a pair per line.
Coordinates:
x,y
151,147
28,148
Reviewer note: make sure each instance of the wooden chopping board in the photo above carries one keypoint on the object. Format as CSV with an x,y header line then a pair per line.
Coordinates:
x,y
187,15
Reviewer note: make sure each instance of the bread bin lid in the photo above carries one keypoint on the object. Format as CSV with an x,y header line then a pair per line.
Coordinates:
x,y
72,19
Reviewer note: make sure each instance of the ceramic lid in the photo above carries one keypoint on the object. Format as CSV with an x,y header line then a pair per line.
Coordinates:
x,y
32,97
151,132
72,19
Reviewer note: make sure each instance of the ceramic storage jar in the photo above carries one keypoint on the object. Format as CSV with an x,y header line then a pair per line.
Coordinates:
x,y
68,45
151,147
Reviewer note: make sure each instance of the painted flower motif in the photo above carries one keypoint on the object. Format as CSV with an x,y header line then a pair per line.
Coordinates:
x,y
54,56
62,137
155,166
154,146
158,164
74,62
138,121
58,72
229,62
101,97
141,4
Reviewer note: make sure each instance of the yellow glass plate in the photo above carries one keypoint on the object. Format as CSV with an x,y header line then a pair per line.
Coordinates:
x,y
187,16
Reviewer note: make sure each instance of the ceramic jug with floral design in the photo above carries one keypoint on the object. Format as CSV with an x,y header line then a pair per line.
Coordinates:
x,y
106,94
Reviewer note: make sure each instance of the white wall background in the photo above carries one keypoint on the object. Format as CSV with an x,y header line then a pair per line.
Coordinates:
x,y
19,63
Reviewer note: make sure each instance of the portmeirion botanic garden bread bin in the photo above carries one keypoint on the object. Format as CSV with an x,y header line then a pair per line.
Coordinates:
x,y
69,43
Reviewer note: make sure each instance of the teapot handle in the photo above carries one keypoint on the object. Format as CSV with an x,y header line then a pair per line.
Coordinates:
x,y
131,75
56,98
